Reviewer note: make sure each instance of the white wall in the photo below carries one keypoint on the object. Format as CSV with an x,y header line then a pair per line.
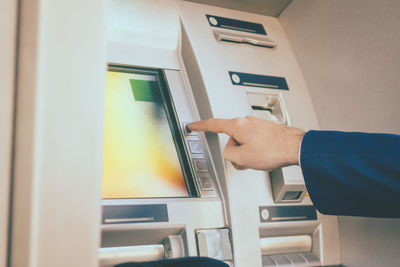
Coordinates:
x,y
350,57
349,53
8,29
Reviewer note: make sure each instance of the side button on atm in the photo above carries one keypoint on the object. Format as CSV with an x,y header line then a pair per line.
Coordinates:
x,y
206,183
186,130
200,165
195,147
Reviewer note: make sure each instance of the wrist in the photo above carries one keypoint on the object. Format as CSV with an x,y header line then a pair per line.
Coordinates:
x,y
294,145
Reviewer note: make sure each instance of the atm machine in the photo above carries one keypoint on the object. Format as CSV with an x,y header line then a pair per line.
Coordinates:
x,y
168,192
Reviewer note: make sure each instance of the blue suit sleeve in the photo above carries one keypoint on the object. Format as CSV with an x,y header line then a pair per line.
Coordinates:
x,y
355,174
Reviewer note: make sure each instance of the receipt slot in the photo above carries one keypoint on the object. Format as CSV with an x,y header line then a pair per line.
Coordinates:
x,y
269,107
288,184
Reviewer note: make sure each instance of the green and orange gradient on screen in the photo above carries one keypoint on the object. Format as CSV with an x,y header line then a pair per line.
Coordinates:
x,y
139,154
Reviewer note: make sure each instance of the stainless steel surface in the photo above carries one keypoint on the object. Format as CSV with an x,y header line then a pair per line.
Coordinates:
x,y
214,243
115,255
285,244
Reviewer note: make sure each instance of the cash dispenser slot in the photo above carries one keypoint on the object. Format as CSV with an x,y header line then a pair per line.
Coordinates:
x,y
172,247
121,245
289,236
116,255
285,244
290,250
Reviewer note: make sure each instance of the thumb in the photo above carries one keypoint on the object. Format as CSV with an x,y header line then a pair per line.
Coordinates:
x,y
238,167
233,151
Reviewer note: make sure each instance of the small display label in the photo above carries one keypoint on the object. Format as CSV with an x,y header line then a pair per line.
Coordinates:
x,y
235,24
255,80
287,213
117,214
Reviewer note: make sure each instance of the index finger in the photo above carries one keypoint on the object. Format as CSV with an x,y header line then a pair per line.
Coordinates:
x,y
212,125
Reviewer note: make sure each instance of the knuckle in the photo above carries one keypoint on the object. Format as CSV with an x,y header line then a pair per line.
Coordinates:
x,y
235,120
239,122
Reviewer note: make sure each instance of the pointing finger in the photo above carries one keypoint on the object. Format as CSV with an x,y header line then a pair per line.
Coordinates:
x,y
212,125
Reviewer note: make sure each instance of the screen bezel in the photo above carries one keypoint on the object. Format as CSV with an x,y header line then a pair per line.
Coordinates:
x,y
173,121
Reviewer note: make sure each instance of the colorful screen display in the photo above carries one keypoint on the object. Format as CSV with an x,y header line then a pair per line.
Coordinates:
x,y
139,158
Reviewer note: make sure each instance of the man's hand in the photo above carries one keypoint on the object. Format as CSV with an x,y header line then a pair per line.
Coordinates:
x,y
255,143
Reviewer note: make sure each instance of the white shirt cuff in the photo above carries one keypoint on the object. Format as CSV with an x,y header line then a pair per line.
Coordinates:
x,y
301,143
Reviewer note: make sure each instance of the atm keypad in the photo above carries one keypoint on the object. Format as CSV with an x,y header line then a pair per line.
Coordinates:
x,y
194,146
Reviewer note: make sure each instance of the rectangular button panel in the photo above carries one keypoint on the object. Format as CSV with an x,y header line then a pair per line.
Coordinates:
x,y
203,176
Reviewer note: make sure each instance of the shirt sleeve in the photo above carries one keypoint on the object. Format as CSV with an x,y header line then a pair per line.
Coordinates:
x,y
351,173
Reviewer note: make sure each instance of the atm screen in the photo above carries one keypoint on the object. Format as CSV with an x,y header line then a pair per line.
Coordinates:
x,y
140,156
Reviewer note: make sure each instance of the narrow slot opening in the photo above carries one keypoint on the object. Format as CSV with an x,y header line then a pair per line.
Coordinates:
x,y
246,42
261,108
